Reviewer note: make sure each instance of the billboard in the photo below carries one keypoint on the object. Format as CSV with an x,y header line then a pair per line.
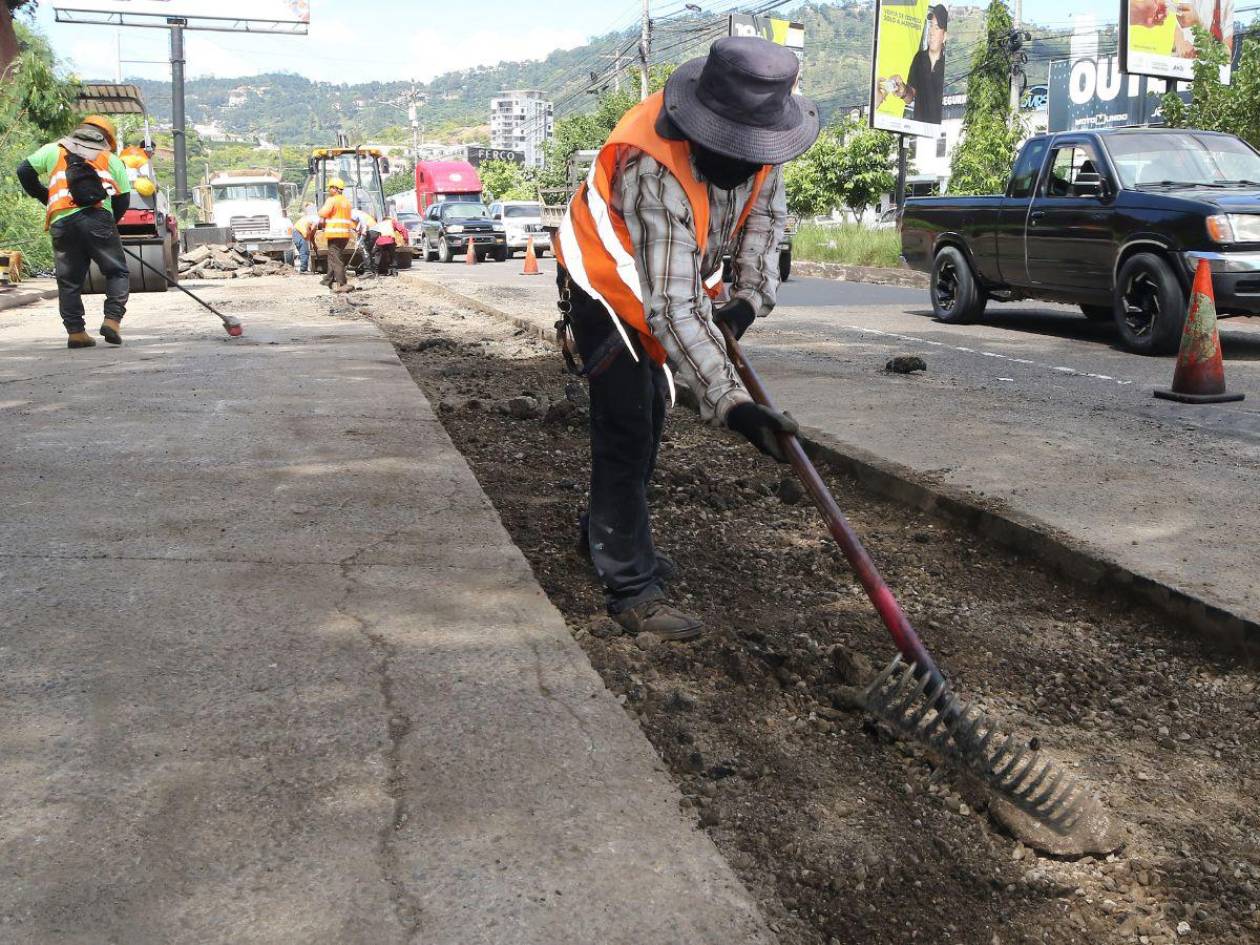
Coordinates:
x,y
784,32
910,66
1157,36
245,16
1091,93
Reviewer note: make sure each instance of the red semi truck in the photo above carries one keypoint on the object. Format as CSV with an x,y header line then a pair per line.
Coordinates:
x,y
439,181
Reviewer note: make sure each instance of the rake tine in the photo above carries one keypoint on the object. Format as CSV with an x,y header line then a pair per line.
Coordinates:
x,y
1027,790
928,705
1002,774
992,760
1013,781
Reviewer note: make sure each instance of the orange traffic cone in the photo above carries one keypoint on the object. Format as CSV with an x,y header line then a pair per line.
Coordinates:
x,y
1200,374
470,257
531,260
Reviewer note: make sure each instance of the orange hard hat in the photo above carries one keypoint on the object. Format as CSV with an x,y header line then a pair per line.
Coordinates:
x,y
105,125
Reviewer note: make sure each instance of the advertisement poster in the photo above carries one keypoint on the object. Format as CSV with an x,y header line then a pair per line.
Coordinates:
x,y
910,63
292,13
1157,36
1093,93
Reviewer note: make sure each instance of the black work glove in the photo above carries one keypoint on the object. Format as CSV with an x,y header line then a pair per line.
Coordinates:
x,y
760,425
120,204
738,313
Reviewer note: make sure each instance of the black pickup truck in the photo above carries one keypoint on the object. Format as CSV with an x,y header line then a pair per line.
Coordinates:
x,y
1113,221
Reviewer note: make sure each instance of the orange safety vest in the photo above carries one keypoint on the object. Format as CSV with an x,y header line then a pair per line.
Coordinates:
x,y
59,188
593,243
339,214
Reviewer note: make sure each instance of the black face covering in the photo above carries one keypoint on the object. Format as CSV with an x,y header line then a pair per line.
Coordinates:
x,y
725,173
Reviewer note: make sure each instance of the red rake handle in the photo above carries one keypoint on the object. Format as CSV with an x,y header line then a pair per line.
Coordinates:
x,y
907,641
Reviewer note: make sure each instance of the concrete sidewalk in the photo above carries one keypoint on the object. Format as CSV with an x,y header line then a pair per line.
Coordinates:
x,y
1079,464
271,671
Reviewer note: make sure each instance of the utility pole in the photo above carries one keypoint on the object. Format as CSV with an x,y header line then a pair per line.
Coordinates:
x,y
178,133
645,49
900,195
1016,90
415,124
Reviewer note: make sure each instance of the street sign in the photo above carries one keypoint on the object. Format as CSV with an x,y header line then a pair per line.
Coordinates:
x,y
475,155
291,17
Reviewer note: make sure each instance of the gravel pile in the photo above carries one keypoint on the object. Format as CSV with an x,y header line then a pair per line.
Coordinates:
x,y
213,261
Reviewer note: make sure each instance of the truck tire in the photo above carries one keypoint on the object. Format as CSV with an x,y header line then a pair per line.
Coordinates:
x,y
785,265
1099,313
1150,309
501,254
428,254
957,298
443,250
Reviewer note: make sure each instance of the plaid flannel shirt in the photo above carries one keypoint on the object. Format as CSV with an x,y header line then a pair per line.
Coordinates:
x,y
671,271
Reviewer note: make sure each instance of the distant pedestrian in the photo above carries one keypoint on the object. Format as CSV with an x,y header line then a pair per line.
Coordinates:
x,y
336,218
88,192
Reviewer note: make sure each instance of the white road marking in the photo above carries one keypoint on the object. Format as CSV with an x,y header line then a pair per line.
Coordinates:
x,y
1070,371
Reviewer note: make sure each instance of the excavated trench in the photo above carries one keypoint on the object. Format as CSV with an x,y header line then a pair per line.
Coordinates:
x,y
844,834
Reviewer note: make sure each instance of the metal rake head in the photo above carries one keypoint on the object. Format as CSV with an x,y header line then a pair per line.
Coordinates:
x,y
932,714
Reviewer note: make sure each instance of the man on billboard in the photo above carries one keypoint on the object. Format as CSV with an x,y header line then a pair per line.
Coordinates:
x,y
1215,16
909,90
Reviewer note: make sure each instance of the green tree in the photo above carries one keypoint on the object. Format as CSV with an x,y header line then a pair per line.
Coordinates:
x,y
504,180
36,106
1234,108
850,165
400,182
982,161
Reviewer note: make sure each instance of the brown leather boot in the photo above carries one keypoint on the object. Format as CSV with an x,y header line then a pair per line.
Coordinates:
x,y
109,331
662,619
80,339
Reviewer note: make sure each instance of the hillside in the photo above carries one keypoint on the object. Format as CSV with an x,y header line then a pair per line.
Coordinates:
x,y
288,109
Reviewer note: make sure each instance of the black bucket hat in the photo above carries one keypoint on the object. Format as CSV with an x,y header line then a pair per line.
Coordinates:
x,y
738,102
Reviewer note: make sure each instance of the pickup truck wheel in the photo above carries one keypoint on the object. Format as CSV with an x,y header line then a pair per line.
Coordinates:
x,y
501,254
957,298
1098,313
444,250
785,265
1150,305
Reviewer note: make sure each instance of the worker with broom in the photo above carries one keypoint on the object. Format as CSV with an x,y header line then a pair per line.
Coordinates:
x,y
87,194
690,175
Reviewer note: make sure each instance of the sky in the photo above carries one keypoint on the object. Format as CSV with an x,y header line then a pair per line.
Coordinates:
x,y
384,40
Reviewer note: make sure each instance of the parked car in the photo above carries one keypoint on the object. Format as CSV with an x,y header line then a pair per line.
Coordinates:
x,y
454,227
412,223
1114,221
521,219
887,220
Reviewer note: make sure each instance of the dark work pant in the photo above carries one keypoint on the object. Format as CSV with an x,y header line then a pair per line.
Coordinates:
x,y
627,417
336,262
384,258
89,236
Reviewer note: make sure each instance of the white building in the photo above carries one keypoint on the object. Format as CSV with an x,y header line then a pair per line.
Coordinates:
x,y
521,120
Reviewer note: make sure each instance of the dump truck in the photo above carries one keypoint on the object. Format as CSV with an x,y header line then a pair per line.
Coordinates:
x,y
360,168
252,204
148,228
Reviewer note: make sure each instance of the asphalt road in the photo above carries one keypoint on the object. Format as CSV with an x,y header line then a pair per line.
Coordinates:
x,y
1035,409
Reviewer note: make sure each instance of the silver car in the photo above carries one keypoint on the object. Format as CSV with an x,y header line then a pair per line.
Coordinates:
x,y
522,219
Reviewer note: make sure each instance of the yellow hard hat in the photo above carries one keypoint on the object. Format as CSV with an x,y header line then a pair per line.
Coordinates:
x,y
103,123
336,184
144,186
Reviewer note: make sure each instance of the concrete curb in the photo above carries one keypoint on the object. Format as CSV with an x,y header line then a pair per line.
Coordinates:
x,y
1065,556
878,275
19,297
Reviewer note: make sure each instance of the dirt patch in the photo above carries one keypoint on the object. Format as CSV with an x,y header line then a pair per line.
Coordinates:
x,y
842,834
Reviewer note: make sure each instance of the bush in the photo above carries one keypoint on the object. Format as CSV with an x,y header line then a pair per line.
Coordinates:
x,y
848,243
35,107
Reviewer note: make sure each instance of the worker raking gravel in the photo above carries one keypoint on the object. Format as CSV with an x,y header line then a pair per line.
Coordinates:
x,y
689,176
